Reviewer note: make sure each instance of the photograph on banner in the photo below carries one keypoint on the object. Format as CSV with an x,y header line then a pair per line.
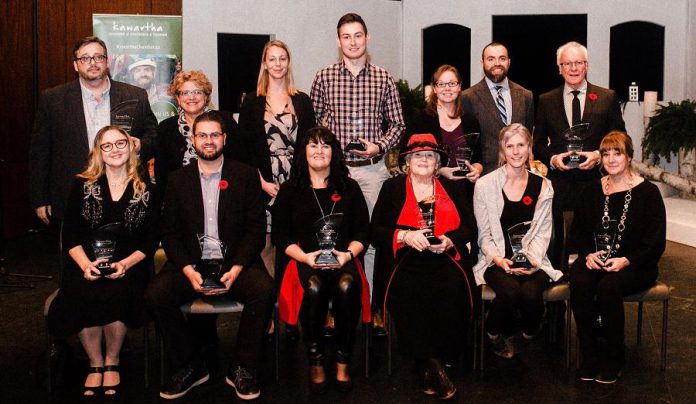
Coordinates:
x,y
145,51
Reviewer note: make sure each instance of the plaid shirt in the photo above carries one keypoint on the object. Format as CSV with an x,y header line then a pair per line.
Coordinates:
x,y
354,107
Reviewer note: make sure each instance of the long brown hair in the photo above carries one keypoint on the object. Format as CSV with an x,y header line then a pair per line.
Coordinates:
x,y
431,103
262,82
95,162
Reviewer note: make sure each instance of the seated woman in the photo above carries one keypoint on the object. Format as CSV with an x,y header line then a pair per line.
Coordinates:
x,y
428,222
94,298
630,210
506,197
319,186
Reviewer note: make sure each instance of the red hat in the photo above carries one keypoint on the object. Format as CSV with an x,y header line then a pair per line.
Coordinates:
x,y
425,142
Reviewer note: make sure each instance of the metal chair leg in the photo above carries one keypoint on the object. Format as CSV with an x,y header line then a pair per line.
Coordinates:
x,y
390,332
482,332
568,319
639,332
49,372
276,343
146,348
663,348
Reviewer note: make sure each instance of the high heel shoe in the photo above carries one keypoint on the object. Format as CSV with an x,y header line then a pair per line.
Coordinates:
x,y
111,391
93,391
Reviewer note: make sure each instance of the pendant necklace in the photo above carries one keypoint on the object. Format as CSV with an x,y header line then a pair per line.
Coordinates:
x,y
622,221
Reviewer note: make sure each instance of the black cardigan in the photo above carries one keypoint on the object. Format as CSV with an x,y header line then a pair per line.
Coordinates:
x,y
251,126
171,147
428,123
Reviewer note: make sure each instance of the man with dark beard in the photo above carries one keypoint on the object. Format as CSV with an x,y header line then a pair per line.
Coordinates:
x,y
220,199
497,102
68,119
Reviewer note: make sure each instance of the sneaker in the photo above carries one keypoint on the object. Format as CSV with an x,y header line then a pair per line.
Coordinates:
x,y
243,382
184,380
501,346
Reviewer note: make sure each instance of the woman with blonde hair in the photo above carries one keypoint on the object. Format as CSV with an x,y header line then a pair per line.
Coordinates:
x,y
102,285
271,122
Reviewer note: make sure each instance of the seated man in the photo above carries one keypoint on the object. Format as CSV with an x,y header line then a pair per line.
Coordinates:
x,y
220,199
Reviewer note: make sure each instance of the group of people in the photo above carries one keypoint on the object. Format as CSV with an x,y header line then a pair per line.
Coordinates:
x,y
299,169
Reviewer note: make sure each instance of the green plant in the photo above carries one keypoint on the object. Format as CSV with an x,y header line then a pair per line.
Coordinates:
x,y
412,100
672,128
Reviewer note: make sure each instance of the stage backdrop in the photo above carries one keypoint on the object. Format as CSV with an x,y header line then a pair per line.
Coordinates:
x,y
144,50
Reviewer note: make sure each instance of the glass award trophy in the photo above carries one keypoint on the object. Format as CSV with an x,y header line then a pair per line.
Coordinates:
x,y
574,138
327,234
212,267
104,241
123,114
463,150
426,219
516,233
605,238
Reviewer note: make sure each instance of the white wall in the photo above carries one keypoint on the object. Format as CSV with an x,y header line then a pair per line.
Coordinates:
x,y
601,15
691,51
308,27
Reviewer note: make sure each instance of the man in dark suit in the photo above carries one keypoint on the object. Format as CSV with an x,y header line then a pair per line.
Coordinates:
x,y
222,199
496,102
576,101
68,119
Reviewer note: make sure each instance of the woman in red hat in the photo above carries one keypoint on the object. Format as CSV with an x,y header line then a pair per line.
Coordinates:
x,y
428,222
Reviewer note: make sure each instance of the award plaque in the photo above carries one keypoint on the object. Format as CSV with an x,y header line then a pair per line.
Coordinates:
x,y
104,241
327,234
426,219
463,151
574,138
212,264
605,238
516,233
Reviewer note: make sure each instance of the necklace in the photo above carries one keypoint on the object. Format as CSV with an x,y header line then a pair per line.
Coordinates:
x,y
117,183
429,201
319,204
622,221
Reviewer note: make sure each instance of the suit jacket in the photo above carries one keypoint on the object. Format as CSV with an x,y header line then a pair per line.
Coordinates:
x,y
241,216
478,100
171,146
603,114
253,132
59,143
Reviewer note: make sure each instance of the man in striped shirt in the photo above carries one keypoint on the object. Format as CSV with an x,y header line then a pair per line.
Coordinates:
x,y
352,98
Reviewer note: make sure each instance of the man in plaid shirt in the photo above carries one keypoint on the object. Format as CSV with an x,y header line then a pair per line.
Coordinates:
x,y
352,98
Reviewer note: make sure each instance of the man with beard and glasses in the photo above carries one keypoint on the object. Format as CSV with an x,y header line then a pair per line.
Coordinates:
x,y
68,119
497,102
222,199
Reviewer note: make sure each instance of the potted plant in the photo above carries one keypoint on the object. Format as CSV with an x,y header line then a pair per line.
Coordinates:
x,y
672,130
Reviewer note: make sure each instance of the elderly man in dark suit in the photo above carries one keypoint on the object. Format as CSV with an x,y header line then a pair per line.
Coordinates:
x,y
497,101
68,118
222,199
576,101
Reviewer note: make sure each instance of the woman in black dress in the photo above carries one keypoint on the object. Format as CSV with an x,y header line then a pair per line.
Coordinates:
x,y
191,90
629,209
107,201
428,222
319,187
271,122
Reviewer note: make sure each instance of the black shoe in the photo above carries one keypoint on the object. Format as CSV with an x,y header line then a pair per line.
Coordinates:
x,y
344,386
243,382
608,376
587,373
428,383
184,380
443,385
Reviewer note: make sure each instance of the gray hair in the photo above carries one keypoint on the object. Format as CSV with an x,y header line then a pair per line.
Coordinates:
x,y
569,45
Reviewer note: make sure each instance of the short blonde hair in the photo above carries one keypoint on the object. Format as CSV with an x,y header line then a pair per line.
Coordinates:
x,y
195,76
506,133
262,82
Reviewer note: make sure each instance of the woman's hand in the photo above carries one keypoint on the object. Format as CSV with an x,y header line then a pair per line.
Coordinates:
x,y
343,257
503,263
416,239
447,172
120,269
271,188
90,271
594,260
616,264
311,260
474,171
445,245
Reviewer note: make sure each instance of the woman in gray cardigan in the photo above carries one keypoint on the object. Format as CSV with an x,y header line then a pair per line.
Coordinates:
x,y
513,214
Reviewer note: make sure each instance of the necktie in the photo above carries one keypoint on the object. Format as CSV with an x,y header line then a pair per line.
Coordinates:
x,y
500,103
576,107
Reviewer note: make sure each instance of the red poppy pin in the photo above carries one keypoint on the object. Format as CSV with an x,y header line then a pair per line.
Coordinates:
x,y
592,96
335,197
223,185
527,200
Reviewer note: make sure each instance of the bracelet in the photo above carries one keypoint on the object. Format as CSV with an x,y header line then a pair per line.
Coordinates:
x,y
403,236
352,257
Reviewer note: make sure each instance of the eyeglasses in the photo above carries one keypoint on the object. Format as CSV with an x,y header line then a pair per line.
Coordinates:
x,y
450,84
190,92
88,59
568,65
206,136
120,144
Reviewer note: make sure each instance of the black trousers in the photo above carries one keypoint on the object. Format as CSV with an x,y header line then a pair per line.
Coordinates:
x,y
596,293
343,288
513,294
170,289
